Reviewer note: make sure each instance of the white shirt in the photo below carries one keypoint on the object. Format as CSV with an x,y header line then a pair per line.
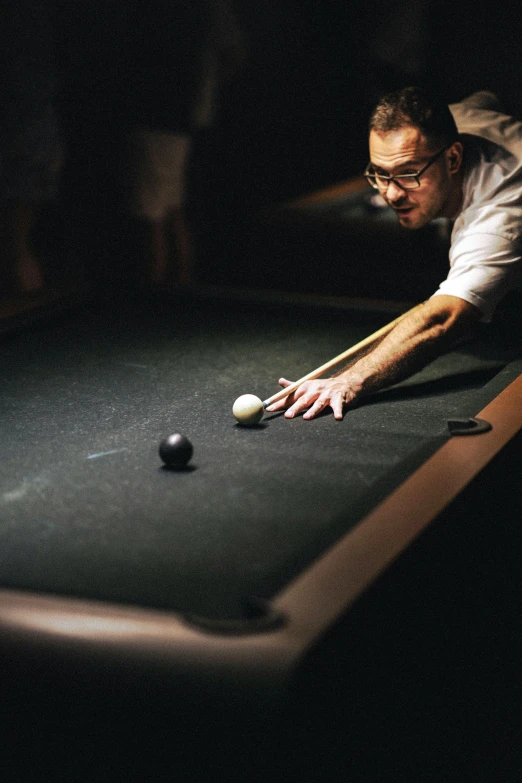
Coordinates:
x,y
486,241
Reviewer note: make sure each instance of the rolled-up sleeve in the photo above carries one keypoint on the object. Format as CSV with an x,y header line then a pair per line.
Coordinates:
x,y
484,267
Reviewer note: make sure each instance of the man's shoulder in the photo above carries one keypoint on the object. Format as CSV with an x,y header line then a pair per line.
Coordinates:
x,y
486,121
492,185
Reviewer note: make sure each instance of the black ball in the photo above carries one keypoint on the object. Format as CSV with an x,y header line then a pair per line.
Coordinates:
x,y
176,450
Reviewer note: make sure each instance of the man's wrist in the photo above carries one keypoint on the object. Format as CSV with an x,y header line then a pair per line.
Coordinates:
x,y
354,382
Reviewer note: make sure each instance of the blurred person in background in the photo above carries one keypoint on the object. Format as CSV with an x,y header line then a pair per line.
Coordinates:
x,y
179,55
30,141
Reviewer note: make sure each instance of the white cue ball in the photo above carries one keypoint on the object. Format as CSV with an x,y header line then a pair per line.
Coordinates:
x,y
248,410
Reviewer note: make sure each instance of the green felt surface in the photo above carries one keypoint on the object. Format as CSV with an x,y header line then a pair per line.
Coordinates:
x,y
86,507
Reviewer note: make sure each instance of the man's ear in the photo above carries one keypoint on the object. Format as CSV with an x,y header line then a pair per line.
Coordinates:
x,y
455,157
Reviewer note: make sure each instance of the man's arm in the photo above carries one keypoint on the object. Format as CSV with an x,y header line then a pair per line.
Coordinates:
x,y
415,341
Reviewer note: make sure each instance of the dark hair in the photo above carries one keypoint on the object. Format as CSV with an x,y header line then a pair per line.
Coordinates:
x,y
414,106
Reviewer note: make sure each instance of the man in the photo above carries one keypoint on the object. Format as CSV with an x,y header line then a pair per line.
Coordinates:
x,y
428,161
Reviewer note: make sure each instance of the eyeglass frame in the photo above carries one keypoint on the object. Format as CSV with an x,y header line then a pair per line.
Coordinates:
x,y
415,177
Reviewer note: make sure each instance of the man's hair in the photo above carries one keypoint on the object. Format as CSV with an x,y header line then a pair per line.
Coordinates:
x,y
413,106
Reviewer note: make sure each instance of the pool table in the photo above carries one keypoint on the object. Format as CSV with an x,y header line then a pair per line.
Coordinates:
x,y
216,581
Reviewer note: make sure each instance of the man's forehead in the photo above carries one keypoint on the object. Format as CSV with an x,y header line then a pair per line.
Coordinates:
x,y
393,148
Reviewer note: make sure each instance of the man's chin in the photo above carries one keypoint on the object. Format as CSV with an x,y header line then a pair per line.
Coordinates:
x,y
409,218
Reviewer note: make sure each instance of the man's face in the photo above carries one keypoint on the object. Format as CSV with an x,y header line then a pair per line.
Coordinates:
x,y
406,151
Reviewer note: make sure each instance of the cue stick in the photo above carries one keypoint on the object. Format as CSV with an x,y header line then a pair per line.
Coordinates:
x,y
357,348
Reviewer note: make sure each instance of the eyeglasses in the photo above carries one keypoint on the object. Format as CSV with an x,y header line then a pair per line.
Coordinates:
x,y
403,181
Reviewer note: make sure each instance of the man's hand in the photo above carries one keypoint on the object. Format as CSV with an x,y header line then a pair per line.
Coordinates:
x,y
416,340
315,396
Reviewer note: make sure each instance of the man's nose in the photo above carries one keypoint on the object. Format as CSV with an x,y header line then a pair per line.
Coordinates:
x,y
394,192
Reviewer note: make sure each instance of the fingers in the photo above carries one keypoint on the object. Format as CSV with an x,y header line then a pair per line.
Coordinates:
x,y
312,407
337,405
304,398
312,397
280,405
318,406
335,402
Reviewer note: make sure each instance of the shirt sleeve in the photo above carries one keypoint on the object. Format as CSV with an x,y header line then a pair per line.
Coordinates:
x,y
484,267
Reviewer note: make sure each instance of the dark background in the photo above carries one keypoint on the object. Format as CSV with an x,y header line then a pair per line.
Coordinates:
x,y
291,120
